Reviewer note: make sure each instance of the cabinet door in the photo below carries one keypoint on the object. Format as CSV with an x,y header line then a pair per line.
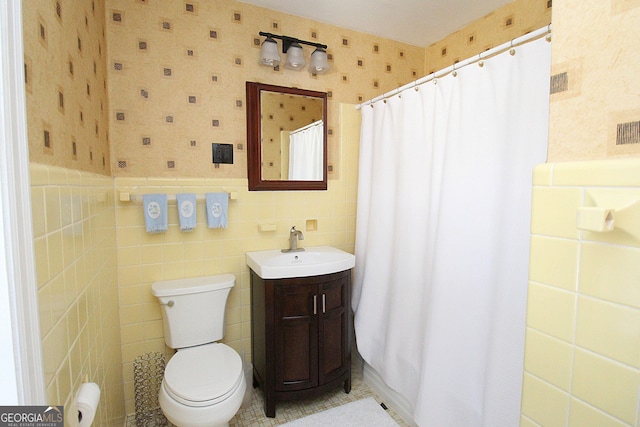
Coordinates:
x,y
334,339
296,337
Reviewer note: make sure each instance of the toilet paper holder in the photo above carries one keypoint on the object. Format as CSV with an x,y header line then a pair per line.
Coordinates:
x,y
86,401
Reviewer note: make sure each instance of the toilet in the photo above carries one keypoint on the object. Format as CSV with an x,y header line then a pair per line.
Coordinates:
x,y
203,384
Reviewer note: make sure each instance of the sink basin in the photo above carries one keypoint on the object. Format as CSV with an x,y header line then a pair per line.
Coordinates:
x,y
313,261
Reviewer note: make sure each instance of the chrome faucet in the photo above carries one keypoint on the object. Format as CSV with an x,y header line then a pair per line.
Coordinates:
x,y
294,236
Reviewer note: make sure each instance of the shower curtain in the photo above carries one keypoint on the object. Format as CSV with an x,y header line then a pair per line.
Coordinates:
x,y
442,237
305,152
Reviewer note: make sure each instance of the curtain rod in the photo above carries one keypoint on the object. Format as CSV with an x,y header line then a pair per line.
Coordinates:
x,y
534,35
309,126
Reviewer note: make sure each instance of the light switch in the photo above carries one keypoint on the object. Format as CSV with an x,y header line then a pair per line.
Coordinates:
x,y
222,153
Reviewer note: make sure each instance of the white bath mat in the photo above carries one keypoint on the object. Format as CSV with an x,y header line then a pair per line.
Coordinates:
x,y
365,412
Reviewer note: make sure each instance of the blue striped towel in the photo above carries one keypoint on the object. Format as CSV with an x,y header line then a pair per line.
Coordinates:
x,y
217,204
155,212
186,211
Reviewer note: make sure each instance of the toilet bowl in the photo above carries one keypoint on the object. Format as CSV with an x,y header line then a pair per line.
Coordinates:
x,y
204,383
203,386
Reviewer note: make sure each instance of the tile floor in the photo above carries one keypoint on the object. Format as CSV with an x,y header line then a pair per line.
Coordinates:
x,y
253,415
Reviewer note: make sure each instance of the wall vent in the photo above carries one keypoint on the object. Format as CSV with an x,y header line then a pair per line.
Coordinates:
x,y
559,83
628,133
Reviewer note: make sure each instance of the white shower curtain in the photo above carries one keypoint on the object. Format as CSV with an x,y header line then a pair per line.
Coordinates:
x,y
442,237
305,152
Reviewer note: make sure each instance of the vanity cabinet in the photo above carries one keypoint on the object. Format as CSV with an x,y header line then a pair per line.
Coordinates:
x,y
301,336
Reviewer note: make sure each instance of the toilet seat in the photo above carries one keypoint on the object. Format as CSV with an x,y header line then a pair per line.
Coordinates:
x,y
203,375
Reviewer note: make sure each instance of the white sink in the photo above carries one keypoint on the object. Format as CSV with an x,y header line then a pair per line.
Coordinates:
x,y
313,261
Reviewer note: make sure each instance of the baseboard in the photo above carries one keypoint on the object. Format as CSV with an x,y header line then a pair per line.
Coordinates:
x,y
391,397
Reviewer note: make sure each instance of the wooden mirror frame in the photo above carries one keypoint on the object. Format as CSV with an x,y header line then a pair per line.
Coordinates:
x,y
254,137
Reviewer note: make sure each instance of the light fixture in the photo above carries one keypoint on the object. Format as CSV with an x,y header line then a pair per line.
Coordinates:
x,y
319,63
295,55
269,53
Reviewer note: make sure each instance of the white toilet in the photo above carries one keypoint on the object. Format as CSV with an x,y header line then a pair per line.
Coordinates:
x,y
203,383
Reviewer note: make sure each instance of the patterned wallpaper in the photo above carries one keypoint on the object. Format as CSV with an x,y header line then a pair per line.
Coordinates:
x,y
177,73
504,24
143,87
595,100
66,84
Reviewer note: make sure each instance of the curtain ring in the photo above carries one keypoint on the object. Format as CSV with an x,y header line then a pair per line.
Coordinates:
x,y
512,51
415,86
480,61
454,72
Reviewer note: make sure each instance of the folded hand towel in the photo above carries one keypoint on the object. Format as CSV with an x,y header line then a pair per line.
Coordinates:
x,y
186,211
155,212
217,204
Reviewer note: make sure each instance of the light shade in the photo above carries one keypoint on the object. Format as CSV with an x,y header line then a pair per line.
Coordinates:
x,y
269,55
295,57
319,63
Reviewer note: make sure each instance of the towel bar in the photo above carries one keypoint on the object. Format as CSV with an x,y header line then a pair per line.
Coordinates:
x,y
135,198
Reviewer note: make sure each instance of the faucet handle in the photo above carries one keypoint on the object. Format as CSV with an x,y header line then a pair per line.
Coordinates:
x,y
294,236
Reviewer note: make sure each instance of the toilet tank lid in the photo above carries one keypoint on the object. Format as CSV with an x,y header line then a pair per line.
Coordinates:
x,y
192,285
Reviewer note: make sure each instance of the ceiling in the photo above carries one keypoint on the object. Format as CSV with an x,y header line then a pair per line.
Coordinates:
x,y
417,22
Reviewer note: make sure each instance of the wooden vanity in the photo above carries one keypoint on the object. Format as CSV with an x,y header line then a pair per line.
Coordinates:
x,y
301,336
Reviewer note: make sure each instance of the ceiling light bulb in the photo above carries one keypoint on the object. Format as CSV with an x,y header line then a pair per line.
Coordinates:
x,y
319,63
295,57
269,53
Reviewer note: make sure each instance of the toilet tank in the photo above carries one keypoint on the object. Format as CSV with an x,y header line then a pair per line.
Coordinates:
x,y
193,309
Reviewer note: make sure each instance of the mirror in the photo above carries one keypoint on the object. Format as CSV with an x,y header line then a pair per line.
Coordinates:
x,y
286,138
